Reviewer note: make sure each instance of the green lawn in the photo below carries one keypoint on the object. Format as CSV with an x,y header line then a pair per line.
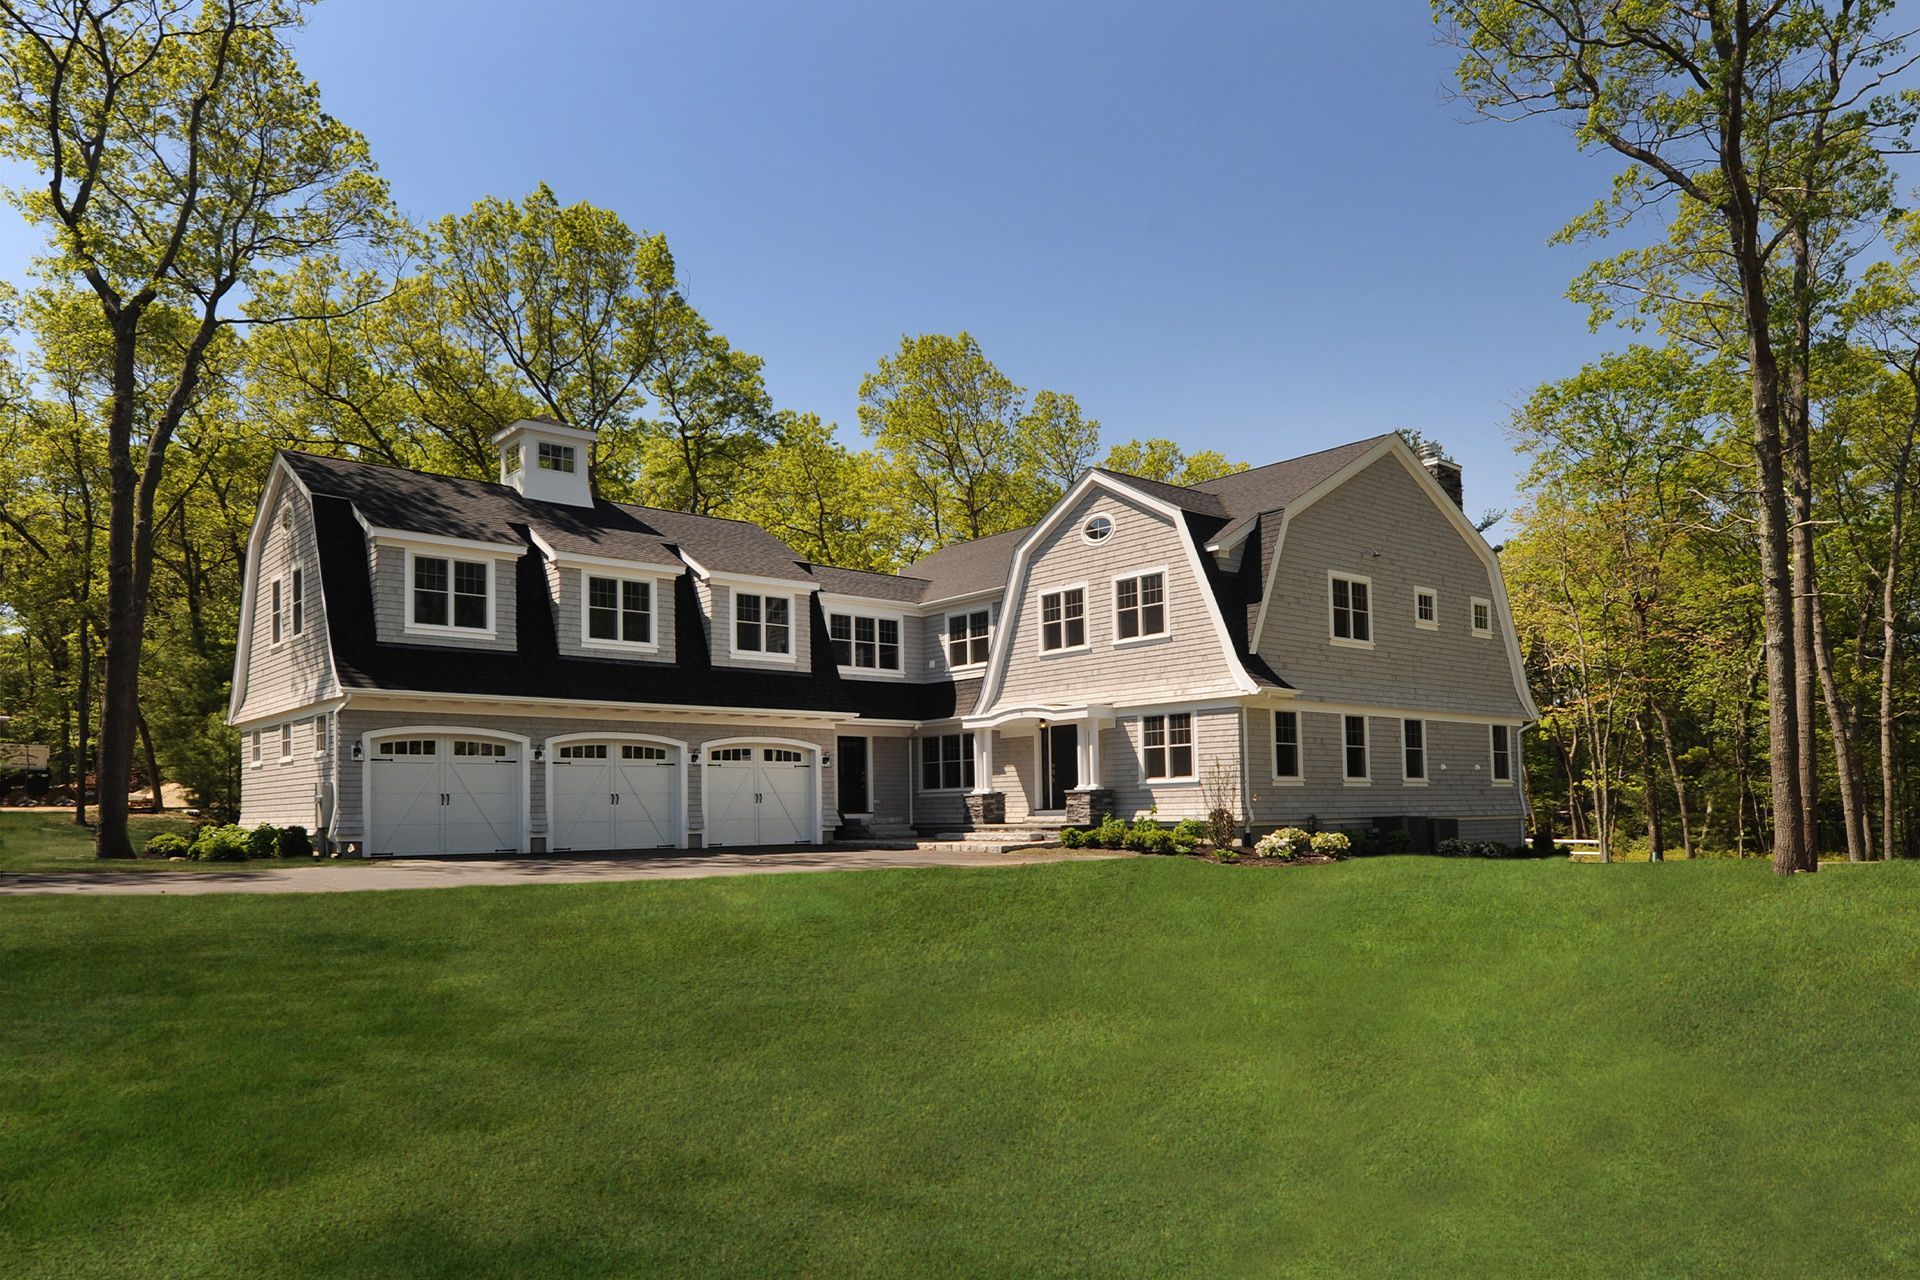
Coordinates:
x,y
1148,1067
43,840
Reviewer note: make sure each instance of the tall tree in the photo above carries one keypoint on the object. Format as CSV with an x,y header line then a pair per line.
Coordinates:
x,y
179,155
1161,459
1711,104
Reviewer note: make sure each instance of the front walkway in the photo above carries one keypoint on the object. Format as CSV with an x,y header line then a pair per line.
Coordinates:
x,y
428,873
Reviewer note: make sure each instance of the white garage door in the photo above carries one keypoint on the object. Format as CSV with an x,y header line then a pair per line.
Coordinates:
x,y
614,795
759,795
453,794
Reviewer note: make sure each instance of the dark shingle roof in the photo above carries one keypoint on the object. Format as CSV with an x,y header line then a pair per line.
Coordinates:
x,y
963,568
724,546
1246,494
1193,501
863,582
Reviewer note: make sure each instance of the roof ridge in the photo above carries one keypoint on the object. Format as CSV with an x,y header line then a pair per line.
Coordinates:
x,y
1283,462
877,573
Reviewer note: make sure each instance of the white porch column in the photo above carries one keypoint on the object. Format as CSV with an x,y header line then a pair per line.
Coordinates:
x,y
983,760
1090,775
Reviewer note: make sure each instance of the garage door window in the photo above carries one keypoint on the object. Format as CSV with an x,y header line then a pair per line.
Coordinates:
x,y
643,753
465,748
729,754
585,751
409,747
777,756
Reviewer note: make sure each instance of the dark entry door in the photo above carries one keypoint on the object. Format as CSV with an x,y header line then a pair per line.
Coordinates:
x,y
1059,764
852,759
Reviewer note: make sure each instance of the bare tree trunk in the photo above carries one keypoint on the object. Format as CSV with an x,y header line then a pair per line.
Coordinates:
x,y
1679,782
1890,639
83,713
1839,716
125,613
1650,788
153,766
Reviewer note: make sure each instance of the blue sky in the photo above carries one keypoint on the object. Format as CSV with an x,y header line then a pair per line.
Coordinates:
x,y
1257,228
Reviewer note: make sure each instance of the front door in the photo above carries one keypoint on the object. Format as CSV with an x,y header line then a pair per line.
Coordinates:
x,y
1059,764
853,777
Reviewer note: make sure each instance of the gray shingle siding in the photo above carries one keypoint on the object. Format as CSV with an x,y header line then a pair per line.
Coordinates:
x,y
1458,771
718,600
564,583
297,671
1216,741
1191,659
290,791
1384,510
390,592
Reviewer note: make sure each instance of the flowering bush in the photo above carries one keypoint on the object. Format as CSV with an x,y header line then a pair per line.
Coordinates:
x,y
1331,843
1287,842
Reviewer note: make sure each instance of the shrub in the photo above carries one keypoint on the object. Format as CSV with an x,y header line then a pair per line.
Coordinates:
x,y
1331,844
168,845
1222,827
1191,830
1454,847
1139,836
1277,844
1396,842
295,843
1227,852
263,841
221,844
1543,843
1071,838
1110,834
1160,840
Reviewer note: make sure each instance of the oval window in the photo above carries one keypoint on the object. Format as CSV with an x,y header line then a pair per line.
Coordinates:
x,y
1098,529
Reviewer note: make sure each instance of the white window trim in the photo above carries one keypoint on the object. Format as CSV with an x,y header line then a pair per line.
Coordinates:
x,y
1040,620
1473,604
319,727
968,759
1193,745
651,645
413,628
946,649
1417,621
1113,527
1340,641
1299,777
297,600
1426,752
787,659
1512,734
276,613
1166,608
1366,758
871,673
562,452
286,742
256,753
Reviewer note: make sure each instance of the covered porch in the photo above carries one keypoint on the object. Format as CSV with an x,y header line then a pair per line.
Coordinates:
x,y
1060,778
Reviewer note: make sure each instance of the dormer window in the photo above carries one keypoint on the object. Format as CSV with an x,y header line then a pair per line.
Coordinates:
x,y
762,625
556,457
619,611
510,460
968,635
452,593
864,641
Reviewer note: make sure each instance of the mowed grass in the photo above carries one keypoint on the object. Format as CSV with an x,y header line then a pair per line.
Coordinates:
x,y
1149,1067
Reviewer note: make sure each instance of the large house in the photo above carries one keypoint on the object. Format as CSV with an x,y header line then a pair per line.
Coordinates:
x,y
437,665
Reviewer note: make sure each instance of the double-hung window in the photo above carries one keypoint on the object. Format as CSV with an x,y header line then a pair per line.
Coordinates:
x,y
279,611
1426,608
286,742
865,642
1352,610
1063,619
946,762
299,601
1354,748
1481,616
1502,754
967,638
762,624
1286,746
1166,746
619,610
1140,606
1413,750
450,593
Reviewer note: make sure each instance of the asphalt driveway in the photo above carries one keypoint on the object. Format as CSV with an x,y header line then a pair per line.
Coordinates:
x,y
432,873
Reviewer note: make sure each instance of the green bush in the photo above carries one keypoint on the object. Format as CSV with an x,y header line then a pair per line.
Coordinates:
x,y
221,844
1140,837
1222,827
1110,834
1190,831
1227,852
1072,838
263,841
1331,844
295,843
168,845
1160,840
1396,842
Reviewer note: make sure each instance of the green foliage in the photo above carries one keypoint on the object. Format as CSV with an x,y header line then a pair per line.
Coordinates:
x,y
294,843
1165,461
1072,838
1110,834
222,844
1331,844
168,845
263,842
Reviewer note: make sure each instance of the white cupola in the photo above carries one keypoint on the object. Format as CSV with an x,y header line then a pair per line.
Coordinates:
x,y
546,461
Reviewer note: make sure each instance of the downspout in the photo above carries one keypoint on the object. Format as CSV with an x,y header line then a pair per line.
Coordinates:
x,y
1246,782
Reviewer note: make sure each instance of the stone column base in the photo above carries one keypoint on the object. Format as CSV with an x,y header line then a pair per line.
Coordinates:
x,y
1089,806
986,807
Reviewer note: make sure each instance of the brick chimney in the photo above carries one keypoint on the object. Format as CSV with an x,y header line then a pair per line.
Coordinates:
x,y
1444,470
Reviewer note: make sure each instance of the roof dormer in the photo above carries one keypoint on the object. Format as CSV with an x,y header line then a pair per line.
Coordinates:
x,y
546,461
